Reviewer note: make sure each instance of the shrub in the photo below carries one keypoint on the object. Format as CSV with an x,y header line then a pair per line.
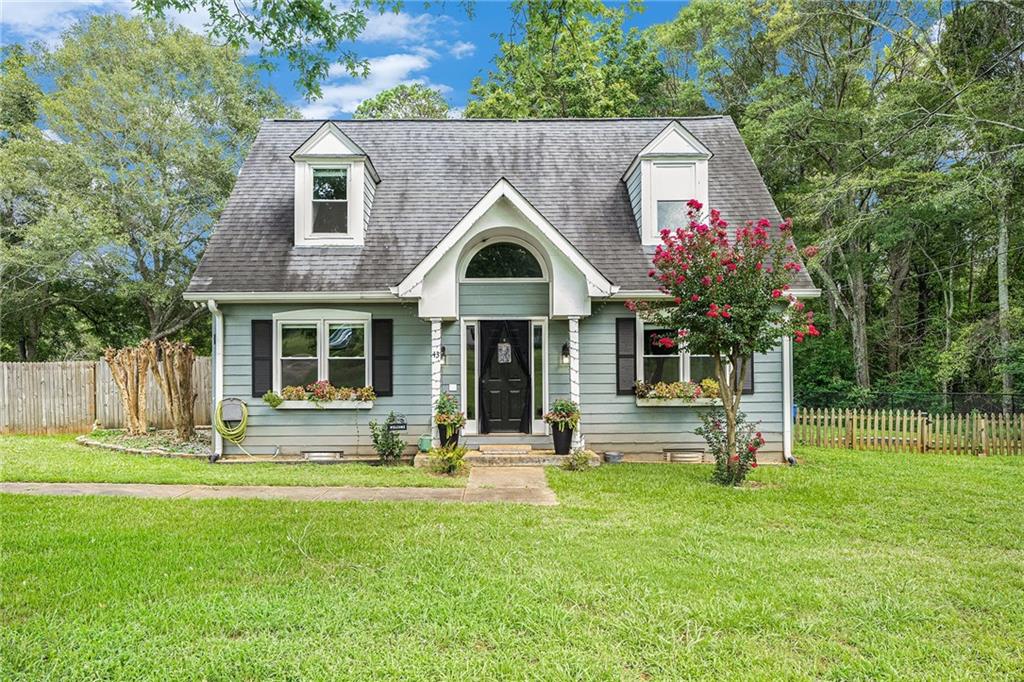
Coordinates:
x,y
578,460
448,460
564,414
388,444
272,399
676,390
731,468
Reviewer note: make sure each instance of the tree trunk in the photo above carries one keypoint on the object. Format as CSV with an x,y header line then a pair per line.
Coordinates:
x,y
859,325
899,268
130,368
1003,284
172,363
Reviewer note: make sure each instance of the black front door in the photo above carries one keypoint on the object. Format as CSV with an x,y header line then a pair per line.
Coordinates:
x,y
504,376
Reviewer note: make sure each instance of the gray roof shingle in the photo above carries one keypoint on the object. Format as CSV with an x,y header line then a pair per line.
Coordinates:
x,y
433,172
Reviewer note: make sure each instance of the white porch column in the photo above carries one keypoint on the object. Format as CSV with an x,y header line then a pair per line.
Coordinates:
x,y
435,370
574,374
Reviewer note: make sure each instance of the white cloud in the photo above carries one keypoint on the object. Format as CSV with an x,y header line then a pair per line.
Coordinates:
x,y
45,20
396,27
462,49
343,94
24,21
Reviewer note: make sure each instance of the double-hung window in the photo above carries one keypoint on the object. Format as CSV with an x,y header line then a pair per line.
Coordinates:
x,y
330,200
677,364
674,183
322,349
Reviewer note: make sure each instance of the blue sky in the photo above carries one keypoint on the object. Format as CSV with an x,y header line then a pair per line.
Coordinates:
x,y
437,45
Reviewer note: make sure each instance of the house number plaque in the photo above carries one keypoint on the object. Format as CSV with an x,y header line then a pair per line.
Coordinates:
x,y
504,353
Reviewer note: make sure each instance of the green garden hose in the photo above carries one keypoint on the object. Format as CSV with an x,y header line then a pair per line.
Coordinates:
x,y
233,434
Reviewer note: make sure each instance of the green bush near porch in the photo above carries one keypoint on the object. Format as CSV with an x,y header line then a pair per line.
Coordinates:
x,y
851,566
60,458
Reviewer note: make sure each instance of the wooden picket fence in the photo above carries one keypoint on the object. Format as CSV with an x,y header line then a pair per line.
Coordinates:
x,y
911,431
69,397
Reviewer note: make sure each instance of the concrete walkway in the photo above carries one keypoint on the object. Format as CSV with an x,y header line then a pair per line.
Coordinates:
x,y
523,485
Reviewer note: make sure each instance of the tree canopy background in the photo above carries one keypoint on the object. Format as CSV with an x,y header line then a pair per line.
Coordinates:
x,y
892,133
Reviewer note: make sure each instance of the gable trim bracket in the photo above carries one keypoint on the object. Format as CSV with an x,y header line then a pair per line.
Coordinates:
x,y
598,285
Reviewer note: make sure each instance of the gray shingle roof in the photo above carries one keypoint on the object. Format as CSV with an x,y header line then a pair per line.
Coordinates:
x,y
433,172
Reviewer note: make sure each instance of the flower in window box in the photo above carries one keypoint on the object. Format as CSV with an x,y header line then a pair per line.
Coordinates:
x,y
293,393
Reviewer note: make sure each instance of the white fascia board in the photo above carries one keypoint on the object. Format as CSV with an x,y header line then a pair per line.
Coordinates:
x,y
329,142
656,147
290,296
653,295
597,283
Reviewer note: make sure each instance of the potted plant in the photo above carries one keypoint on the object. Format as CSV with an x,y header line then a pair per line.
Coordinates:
x,y
449,419
564,417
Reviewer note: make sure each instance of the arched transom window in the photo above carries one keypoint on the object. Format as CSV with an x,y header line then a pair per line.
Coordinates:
x,y
504,260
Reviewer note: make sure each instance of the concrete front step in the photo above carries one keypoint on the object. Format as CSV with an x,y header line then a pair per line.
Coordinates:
x,y
547,458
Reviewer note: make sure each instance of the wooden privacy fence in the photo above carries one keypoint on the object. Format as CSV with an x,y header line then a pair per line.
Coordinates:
x,y
68,397
908,431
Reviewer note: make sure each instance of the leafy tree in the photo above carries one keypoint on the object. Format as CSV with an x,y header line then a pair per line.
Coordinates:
x,y
106,203
726,294
310,34
160,119
45,222
405,101
572,58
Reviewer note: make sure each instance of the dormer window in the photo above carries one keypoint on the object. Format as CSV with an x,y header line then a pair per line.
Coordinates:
x,y
670,171
334,187
330,200
674,184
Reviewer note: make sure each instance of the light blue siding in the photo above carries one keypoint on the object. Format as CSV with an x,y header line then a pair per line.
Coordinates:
x,y
610,421
346,430
503,299
633,187
368,192
615,422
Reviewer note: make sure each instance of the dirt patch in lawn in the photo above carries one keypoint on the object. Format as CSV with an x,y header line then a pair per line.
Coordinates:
x,y
160,443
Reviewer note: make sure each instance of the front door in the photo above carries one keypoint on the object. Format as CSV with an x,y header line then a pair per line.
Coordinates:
x,y
504,376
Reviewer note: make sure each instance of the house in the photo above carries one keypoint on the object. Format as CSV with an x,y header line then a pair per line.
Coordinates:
x,y
488,259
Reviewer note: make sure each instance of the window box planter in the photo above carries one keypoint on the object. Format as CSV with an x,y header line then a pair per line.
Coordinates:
x,y
329,405
677,402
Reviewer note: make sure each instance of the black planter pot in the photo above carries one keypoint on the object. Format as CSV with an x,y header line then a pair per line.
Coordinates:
x,y
562,438
449,436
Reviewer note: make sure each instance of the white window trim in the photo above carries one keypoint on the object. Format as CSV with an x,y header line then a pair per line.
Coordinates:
x,y
684,355
537,426
471,253
322,321
649,233
356,179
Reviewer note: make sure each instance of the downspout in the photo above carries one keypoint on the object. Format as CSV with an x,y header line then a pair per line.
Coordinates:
x,y
218,374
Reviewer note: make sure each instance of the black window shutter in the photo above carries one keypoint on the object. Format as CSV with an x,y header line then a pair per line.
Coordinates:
x,y
748,381
625,355
262,357
382,370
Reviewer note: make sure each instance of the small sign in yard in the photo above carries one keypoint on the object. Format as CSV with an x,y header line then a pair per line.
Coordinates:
x,y
399,424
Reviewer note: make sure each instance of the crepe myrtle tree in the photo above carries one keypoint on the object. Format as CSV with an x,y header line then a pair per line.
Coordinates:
x,y
727,295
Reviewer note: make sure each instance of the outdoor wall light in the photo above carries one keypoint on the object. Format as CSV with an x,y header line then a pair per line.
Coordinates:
x,y
444,355
565,353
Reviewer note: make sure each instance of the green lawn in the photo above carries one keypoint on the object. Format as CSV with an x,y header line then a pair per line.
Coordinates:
x,y
60,458
850,566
